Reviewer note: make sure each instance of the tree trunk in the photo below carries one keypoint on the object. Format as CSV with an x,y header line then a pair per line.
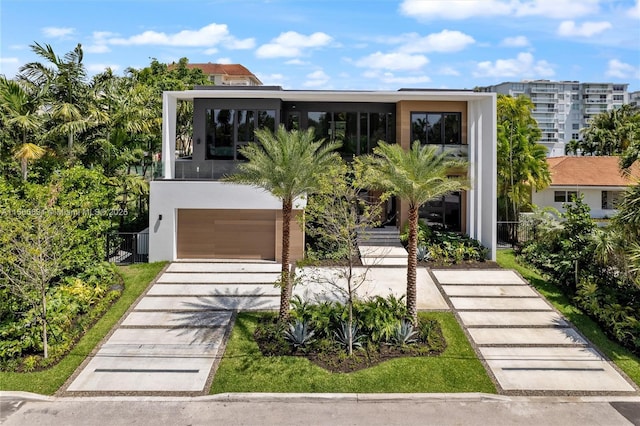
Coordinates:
x,y
412,264
285,291
350,328
70,145
45,343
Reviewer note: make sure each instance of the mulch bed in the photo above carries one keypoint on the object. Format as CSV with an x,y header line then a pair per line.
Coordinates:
x,y
335,359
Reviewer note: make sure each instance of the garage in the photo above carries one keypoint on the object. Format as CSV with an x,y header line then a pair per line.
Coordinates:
x,y
226,234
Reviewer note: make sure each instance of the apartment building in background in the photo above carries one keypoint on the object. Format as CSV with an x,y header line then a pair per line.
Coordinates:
x,y
562,108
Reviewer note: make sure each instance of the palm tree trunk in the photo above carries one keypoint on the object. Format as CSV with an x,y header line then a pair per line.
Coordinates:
x,y
285,292
412,264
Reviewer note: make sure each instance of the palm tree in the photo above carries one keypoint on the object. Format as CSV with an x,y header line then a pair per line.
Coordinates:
x,y
415,176
21,109
25,153
287,164
64,79
522,164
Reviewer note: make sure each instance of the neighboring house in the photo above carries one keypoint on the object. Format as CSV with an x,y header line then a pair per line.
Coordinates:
x,y
562,108
194,215
599,179
228,74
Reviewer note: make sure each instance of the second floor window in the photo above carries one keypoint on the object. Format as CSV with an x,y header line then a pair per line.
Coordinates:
x,y
436,128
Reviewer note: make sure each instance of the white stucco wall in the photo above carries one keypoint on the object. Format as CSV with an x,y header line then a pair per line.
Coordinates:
x,y
592,198
167,196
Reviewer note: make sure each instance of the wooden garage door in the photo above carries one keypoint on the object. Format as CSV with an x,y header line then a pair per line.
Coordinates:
x,y
226,234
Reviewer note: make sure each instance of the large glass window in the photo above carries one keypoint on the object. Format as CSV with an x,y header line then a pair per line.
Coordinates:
x,y
444,211
438,128
228,130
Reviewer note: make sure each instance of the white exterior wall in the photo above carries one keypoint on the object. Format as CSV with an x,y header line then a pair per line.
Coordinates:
x,y
592,198
167,196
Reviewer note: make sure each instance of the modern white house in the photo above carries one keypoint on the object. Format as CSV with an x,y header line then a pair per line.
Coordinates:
x,y
195,216
598,179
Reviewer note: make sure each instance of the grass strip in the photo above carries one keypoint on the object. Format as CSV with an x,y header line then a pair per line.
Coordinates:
x,y
622,357
244,369
46,382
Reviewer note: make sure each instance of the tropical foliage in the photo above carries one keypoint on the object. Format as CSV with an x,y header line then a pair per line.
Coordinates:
x,y
287,164
598,267
521,160
614,132
416,176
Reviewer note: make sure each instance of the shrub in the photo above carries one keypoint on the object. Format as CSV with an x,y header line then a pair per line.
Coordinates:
x,y
404,334
439,245
298,334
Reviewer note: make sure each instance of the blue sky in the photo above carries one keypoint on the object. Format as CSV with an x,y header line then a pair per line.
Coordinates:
x,y
347,44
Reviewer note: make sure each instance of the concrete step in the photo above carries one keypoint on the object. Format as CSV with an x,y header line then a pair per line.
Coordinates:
x,y
224,267
526,336
500,304
218,278
212,303
214,290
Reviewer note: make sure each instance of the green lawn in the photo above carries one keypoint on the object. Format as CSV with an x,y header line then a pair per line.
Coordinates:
x,y
47,382
623,358
244,369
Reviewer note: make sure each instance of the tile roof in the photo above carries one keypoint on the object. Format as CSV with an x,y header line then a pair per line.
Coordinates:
x,y
590,171
223,69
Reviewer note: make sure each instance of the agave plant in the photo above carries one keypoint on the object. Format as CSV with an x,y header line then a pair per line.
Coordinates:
x,y
342,335
423,253
404,334
299,334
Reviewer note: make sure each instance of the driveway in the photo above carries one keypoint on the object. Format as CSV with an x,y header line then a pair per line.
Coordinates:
x,y
171,340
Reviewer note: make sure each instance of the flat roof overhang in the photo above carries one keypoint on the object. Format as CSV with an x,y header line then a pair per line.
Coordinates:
x,y
333,96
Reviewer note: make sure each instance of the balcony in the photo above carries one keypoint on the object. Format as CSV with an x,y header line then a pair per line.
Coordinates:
x,y
535,89
597,101
597,91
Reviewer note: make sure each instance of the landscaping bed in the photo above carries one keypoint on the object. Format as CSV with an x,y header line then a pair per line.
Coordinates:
x,y
329,354
245,369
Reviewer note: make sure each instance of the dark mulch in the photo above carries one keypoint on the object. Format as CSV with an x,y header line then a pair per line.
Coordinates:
x,y
333,357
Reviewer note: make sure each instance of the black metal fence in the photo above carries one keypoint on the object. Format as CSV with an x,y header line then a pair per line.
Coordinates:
x,y
511,234
128,247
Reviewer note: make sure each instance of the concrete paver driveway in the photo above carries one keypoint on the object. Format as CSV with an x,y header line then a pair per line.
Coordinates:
x,y
172,337
525,343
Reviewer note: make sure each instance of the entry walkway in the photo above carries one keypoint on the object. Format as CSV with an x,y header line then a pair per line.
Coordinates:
x,y
526,344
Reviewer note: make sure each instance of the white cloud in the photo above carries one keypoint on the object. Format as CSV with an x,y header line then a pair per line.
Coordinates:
x,y
271,79
586,29
224,61
96,48
524,65
465,9
57,32
393,61
518,41
211,51
292,44
634,12
444,41
209,35
390,78
316,79
619,69
9,66
448,71
296,62
98,68
454,9
556,9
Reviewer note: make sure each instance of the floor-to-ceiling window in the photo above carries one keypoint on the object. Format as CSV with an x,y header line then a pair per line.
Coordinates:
x,y
436,128
228,130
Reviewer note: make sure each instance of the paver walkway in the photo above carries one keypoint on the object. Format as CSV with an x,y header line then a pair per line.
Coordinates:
x,y
526,344
171,338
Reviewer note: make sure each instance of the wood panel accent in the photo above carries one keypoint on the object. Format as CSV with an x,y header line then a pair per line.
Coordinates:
x,y
226,234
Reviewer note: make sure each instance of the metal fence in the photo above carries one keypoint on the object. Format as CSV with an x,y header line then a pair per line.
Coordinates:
x,y
511,234
128,247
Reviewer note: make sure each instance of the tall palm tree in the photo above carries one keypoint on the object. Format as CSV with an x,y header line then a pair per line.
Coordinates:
x,y
21,108
522,164
287,164
65,80
415,176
